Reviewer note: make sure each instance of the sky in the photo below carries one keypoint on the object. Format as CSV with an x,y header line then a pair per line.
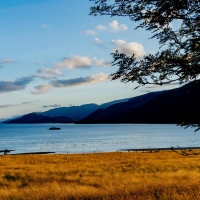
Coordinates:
x,y
54,54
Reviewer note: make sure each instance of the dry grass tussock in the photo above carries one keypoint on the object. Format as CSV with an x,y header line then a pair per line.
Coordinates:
x,y
161,175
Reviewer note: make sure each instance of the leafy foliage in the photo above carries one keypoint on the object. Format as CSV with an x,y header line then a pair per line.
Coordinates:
x,y
179,56
180,60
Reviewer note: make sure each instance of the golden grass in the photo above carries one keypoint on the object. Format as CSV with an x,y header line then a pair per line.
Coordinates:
x,y
162,175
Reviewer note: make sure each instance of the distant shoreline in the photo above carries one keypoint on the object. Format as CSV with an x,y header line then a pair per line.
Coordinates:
x,y
117,151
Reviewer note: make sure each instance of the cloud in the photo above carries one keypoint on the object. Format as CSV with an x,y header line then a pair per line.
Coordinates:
x,y
115,26
80,62
101,28
18,84
90,32
74,62
45,26
15,105
80,81
48,73
97,41
41,89
129,48
52,106
8,61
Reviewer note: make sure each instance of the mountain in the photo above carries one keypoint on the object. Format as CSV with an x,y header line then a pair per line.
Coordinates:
x,y
70,114
78,112
73,112
11,118
105,105
109,113
172,106
3,119
33,118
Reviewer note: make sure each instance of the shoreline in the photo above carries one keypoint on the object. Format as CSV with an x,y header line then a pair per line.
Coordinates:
x,y
150,150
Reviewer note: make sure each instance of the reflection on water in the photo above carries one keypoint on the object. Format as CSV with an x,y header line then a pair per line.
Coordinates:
x,y
74,138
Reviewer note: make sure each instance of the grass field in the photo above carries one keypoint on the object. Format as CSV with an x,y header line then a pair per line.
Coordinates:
x,y
118,176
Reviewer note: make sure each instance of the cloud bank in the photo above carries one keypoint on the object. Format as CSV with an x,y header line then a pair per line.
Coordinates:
x,y
42,89
80,81
18,84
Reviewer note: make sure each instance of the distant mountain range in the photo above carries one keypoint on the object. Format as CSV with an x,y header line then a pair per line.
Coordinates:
x,y
168,107
62,114
38,118
79,112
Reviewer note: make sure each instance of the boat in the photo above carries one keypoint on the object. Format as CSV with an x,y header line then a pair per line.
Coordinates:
x,y
54,128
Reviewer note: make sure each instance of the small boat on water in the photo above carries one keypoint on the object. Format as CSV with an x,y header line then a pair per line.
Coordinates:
x,y
54,128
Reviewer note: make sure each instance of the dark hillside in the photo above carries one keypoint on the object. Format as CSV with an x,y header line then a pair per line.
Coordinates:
x,y
172,106
109,114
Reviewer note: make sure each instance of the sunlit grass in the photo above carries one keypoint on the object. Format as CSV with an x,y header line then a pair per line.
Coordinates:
x,y
160,175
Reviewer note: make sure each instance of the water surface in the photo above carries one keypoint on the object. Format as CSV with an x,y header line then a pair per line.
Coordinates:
x,y
83,138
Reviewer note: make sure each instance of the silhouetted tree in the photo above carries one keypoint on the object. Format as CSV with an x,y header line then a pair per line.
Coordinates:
x,y
179,56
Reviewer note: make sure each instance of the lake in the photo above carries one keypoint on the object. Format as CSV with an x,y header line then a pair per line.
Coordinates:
x,y
85,138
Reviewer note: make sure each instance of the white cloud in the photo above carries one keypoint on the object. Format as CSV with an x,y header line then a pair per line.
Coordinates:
x,y
90,32
74,62
97,41
80,62
129,48
48,73
80,81
115,26
101,28
41,89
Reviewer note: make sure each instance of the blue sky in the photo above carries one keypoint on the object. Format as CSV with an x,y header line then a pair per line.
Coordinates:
x,y
54,54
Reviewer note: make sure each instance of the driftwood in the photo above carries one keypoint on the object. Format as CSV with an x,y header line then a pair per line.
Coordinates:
x,y
182,151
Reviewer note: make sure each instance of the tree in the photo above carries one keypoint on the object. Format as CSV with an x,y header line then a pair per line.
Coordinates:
x,y
179,56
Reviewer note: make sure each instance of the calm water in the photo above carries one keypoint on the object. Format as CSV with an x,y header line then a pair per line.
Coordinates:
x,y
74,138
